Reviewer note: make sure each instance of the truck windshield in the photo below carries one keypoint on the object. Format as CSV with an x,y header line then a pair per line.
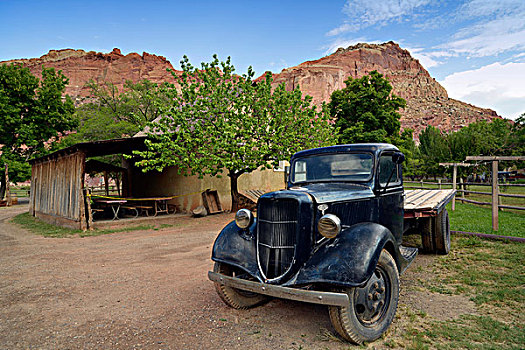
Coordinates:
x,y
332,167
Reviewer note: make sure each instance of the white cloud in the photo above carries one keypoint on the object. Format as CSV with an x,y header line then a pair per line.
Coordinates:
x,y
490,38
480,8
498,26
364,13
425,58
496,86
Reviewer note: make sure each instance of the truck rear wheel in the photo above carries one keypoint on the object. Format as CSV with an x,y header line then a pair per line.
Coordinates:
x,y
372,307
441,233
427,239
435,234
236,298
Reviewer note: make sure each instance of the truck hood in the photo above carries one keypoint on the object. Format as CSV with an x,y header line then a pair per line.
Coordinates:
x,y
335,192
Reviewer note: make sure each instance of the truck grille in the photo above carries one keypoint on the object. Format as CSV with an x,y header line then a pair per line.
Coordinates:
x,y
277,225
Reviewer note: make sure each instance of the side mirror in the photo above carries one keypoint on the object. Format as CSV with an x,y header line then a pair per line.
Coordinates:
x,y
398,157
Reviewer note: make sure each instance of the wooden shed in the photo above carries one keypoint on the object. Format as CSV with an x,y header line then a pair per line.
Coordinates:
x,y
58,190
57,180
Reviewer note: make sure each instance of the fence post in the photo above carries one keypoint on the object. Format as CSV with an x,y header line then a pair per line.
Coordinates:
x,y
462,187
495,196
421,183
7,190
454,173
439,181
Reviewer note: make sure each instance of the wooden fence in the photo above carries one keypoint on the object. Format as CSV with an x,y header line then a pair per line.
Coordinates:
x,y
495,203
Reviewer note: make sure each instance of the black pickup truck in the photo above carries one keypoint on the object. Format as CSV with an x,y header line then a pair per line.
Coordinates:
x,y
334,236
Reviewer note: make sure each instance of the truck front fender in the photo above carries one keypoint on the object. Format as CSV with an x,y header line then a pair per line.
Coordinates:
x,y
237,247
349,259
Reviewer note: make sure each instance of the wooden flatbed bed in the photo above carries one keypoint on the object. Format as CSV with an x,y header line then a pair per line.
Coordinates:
x,y
425,203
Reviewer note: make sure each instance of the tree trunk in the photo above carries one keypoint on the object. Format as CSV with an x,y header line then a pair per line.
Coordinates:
x,y
234,191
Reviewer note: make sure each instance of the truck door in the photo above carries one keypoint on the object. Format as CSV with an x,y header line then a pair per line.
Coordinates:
x,y
390,194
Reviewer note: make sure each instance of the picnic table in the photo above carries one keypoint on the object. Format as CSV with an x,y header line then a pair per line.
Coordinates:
x,y
114,204
135,206
157,204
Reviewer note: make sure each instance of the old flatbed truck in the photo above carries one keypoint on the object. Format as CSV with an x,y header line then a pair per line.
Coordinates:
x,y
334,236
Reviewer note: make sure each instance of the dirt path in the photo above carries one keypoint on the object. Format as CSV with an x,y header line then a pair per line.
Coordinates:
x,y
138,290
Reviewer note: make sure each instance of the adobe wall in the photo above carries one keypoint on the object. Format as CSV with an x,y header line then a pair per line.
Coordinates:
x,y
189,188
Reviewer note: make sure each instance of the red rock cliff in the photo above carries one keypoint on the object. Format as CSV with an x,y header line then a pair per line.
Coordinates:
x,y
81,67
427,101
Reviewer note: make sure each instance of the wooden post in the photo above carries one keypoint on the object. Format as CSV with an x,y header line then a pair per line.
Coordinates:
x,y
87,196
495,224
439,183
421,183
462,187
106,184
454,174
7,191
117,181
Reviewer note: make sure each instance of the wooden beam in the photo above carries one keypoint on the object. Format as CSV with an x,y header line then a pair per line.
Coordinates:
x,y
492,158
457,164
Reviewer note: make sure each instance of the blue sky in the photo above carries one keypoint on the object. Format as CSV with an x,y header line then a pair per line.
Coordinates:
x,y
475,48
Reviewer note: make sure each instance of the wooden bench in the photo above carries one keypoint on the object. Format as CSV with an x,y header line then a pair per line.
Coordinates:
x,y
94,211
131,208
144,209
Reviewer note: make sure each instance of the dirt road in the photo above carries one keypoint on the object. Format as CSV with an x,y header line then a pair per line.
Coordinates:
x,y
138,290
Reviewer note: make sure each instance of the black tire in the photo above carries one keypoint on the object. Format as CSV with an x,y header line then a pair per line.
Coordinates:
x,y
441,233
427,238
238,299
372,307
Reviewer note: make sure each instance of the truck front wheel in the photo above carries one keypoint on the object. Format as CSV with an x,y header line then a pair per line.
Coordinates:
x,y
372,307
236,298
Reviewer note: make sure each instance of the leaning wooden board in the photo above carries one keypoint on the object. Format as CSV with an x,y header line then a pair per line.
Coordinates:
x,y
416,200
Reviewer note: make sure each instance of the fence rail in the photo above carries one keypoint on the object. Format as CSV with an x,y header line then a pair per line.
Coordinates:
x,y
495,195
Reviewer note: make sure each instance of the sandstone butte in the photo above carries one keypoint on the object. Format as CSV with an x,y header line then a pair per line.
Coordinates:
x,y
427,101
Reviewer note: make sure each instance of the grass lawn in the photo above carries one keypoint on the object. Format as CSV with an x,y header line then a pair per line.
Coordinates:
x,y
39,227
473,218
491,275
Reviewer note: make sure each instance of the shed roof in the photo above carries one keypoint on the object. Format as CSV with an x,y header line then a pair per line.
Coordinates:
x,y
98,148
95,166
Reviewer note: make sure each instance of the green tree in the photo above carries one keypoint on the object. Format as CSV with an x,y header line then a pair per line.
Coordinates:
x,y
480,138
220,121
517,138
412,164
434,149
111,113
96,123
138,103
366,110
33,114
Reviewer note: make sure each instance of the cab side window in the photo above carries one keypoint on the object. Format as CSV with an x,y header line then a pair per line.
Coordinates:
x,y
387,167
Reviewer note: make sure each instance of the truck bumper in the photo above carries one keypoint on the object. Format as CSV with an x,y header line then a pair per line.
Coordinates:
x,y
308,296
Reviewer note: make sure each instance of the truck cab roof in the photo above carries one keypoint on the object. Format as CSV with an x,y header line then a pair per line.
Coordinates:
x,y
356,147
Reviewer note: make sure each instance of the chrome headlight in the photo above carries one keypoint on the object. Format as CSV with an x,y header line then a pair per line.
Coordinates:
x,y
244,218
329,225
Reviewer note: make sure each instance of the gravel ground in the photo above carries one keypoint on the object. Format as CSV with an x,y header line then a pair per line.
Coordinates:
x,y
142,290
